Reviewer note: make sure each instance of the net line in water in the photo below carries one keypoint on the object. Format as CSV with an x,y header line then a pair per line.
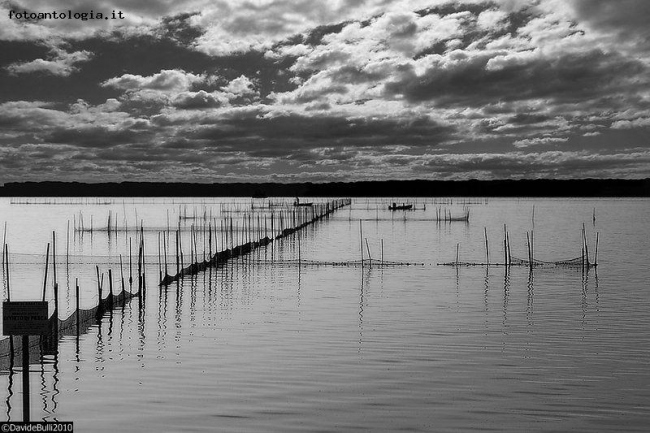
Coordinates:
x,y
583,261
349,263
577,262
73,259
77,323
80,319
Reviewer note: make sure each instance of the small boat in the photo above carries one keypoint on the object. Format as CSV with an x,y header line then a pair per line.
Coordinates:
x,y
403,206
297,203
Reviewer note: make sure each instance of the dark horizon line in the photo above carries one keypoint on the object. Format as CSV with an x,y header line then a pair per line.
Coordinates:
x,y
390,188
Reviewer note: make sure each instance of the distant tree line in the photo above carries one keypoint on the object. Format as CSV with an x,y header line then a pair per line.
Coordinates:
x,y
392,188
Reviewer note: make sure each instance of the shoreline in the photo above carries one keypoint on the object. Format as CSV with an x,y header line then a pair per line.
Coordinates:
x,y
392,188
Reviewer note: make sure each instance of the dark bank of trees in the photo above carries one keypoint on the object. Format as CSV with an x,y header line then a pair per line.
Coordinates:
x,y
393,188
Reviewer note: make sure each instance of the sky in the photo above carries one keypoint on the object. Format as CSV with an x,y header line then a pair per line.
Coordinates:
x,y
342,90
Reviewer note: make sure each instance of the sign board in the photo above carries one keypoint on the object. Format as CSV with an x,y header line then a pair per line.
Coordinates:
x,y
24,318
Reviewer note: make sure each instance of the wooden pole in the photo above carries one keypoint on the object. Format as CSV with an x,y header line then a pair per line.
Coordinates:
x,y
77,303
165,254
584,236
140,271
56,309
131,264
7,265
159,259
110,288
180,248
505,246
361,240
369,256
530,258
122,278
532,246
67,246
191,243
196,248
99,288
54,255
25,378
47,259
144,285
3,266
210,239
487,248
177,258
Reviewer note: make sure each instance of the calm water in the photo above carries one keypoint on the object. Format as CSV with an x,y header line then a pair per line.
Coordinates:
x,y
264,344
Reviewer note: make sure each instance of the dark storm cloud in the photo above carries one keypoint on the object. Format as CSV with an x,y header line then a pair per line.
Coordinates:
x,y
470,81
21,51
528,118
140,55
315,36
180,29
354,75
327,131
627,18
95,136
537,164
455,7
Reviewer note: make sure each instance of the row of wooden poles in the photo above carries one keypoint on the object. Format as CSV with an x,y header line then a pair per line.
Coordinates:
x,y
237,242
236,237
362,239
111,224
204,216
582,261
103,304
444,215
47,340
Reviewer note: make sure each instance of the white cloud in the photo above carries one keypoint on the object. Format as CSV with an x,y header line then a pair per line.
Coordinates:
x,y
35,117
288,50
629,124
490,19
199,100
241,86
62,63
526,142
167,80
511,59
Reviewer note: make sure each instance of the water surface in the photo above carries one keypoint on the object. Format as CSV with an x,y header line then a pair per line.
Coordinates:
x,y
267,344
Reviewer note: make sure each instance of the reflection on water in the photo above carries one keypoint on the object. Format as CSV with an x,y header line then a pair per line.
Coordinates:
x,y
264,343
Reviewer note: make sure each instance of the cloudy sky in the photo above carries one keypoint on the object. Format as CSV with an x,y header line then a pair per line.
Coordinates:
x,y
340,90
